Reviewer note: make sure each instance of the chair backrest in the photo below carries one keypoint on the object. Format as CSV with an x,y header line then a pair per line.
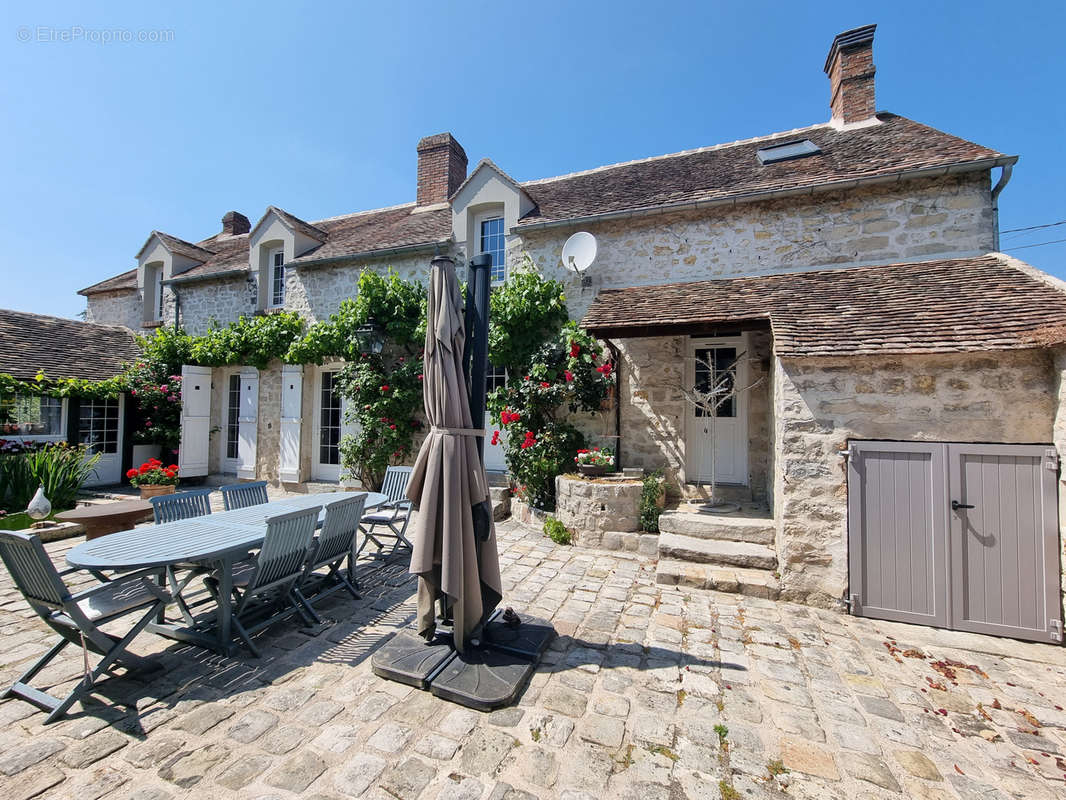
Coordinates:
x,y
182,505
242,495
395,484
338,531
33,571
285,547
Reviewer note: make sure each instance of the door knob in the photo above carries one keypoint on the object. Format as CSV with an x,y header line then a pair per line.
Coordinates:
x,y
956,505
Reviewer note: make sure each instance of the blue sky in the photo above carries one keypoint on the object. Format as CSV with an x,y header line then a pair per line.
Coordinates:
x,y
317,108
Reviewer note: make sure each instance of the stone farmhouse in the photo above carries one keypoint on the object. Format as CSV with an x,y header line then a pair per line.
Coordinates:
x,y
847,271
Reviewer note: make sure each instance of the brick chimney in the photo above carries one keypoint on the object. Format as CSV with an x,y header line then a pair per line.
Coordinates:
x,y
234,223
441,168
850,67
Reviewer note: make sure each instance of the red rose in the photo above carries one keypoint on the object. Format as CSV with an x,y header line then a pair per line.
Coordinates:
x,y
420,377
495,437
575,350
544,384
568,375
385,388
392,427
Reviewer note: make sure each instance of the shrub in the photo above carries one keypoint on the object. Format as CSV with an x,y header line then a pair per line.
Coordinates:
x,y
649,501
556,531
564,372
61,469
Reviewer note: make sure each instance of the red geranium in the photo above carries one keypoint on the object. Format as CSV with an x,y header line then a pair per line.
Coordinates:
x,y
568,375
495,437
544,384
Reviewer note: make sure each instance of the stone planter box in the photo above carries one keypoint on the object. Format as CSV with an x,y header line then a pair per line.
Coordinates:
x,y
604,512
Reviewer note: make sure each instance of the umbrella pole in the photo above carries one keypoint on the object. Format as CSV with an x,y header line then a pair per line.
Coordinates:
x,y
476,349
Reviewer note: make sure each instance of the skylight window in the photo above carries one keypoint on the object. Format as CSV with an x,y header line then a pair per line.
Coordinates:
x,y
787,151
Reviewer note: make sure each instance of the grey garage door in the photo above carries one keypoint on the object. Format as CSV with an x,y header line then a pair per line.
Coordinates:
x,y
961,536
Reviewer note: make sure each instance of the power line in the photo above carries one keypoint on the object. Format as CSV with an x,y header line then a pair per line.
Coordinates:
x,y
1035,227
1027,246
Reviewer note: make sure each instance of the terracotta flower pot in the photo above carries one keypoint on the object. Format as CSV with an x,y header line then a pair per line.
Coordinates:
x,y
155,489
592,470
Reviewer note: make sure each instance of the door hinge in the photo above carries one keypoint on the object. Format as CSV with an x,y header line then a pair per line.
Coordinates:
x,y
1051,459
1055,627
853,603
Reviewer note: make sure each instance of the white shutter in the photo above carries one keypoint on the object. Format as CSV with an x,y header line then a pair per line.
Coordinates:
x,y
248,421
292,382
195,420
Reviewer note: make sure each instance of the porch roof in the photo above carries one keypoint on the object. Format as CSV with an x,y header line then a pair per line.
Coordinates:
x,y
990,302
62,348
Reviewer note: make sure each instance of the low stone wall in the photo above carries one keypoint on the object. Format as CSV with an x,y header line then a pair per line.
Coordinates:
x,y
603,512
598,504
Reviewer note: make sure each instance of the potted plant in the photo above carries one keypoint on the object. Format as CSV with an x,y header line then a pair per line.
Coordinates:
x,y
595,462
152,478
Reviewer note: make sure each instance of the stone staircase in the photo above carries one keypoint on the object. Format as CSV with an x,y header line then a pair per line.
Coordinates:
x,y
728,553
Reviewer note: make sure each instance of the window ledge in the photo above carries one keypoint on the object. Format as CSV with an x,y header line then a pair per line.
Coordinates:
x,y
153,324
266,312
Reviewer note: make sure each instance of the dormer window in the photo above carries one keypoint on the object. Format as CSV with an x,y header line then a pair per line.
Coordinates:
x,y
493,243
276,262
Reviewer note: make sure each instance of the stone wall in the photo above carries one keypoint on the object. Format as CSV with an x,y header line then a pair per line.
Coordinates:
x,y
819,404
123,307
317,292
268,429
654,409
912,220
219,302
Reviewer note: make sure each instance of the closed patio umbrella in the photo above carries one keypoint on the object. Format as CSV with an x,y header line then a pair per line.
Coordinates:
x,y
448,479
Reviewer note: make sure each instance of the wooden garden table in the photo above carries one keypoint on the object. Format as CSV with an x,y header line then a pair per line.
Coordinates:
x,y
215,541
103,518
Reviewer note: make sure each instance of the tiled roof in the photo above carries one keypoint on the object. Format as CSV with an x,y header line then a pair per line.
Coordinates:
x,y
181,247
384,229
62,348
718,173
990,302
127,281
733,170
387,229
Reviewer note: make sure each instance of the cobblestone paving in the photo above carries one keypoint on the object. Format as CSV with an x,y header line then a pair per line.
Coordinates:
x,y
650,692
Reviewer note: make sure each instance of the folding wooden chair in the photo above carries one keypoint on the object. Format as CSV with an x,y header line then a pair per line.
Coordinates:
x,y
393,515
77,617
181,505
336,542
273,571
242,495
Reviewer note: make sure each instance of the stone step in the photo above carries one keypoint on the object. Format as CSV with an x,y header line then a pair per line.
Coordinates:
x,y
501,502
754,525
750,582
716,551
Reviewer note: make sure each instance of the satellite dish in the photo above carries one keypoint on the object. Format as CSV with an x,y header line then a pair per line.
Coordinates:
x,y
579,252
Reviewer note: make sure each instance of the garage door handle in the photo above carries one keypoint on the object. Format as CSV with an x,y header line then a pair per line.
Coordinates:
x,y
956,505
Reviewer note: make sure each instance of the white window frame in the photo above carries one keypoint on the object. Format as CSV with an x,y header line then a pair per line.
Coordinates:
x,y
275,264
40,437
97,424
157,279
479,222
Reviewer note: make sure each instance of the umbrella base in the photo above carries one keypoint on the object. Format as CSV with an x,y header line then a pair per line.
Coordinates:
x,y
408,658
483,678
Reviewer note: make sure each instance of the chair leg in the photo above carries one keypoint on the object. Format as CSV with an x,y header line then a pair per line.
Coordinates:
x,y
303,608
243,634
28,675
116,653
368,536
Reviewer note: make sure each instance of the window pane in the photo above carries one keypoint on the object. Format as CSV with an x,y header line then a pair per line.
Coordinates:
x,y
329,428
33,415
716,372
98,425
493,242
495,378
277,291
233,413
